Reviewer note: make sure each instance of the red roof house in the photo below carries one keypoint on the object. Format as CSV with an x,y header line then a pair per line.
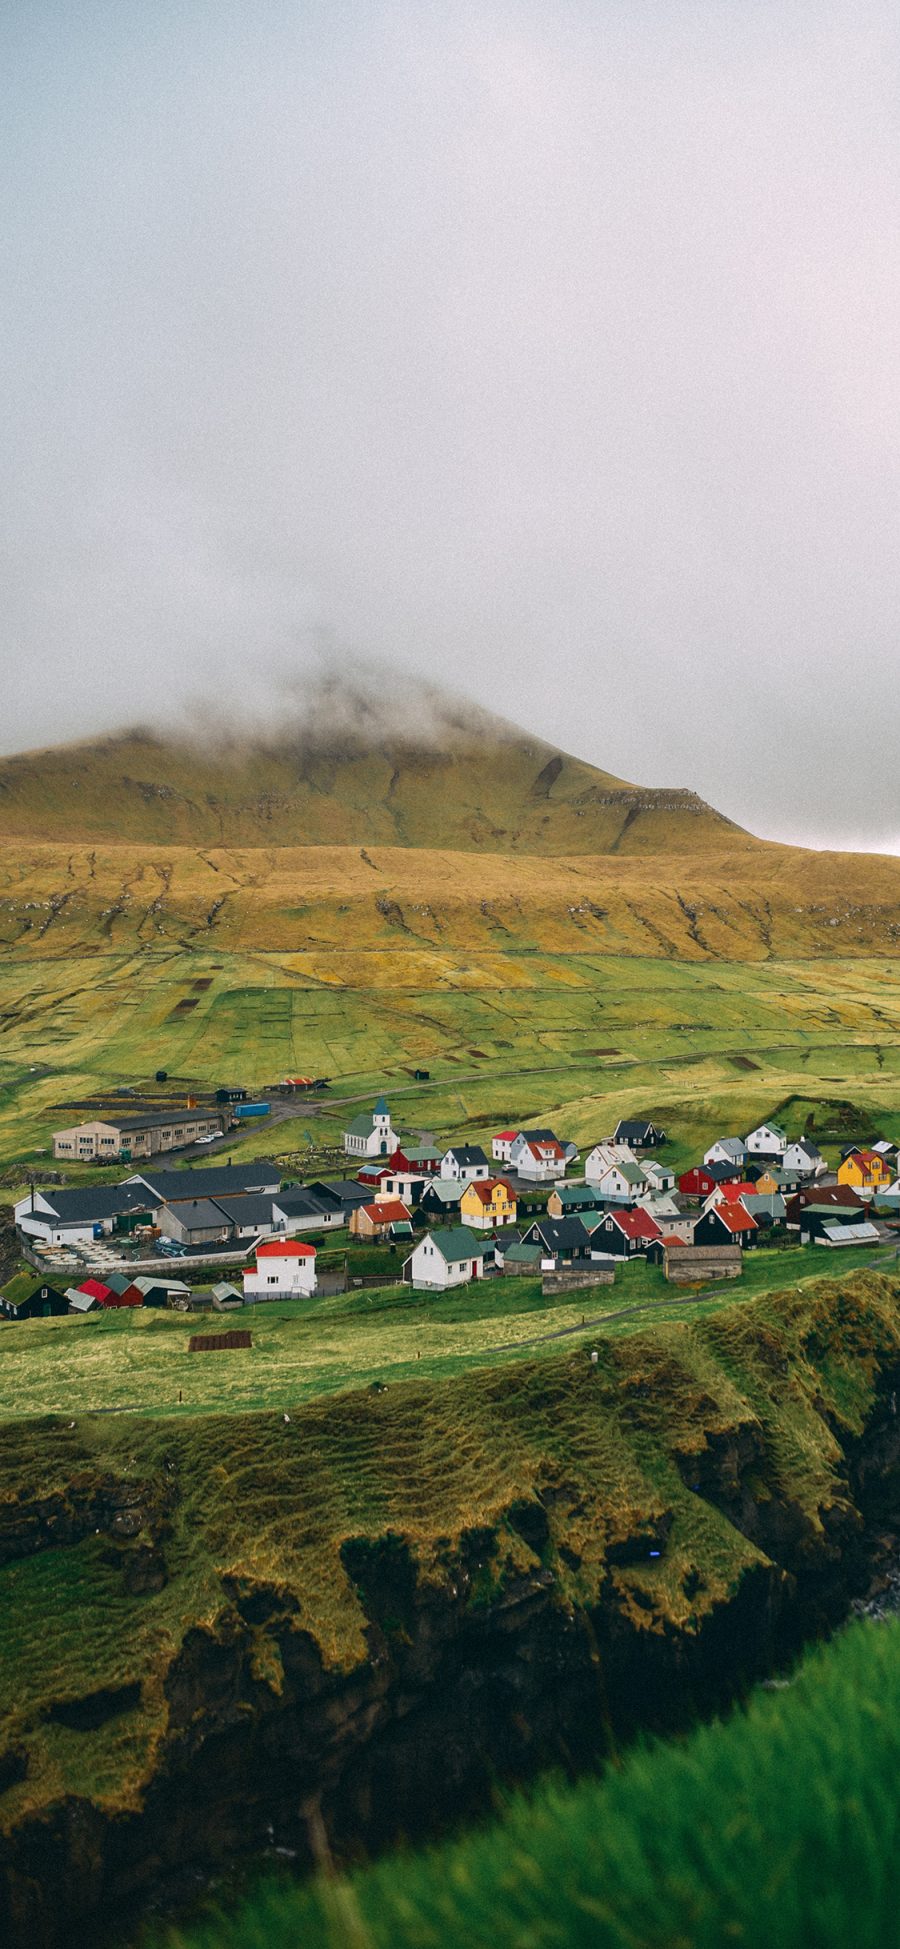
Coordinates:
x,y
626,1234
725,1224
371,1221
285,1248
98,1290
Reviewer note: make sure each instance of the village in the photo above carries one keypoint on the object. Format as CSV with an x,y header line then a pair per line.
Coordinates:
x,y
415,1211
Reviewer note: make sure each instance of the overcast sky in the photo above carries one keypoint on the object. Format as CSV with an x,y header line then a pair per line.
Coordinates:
x,y
552,351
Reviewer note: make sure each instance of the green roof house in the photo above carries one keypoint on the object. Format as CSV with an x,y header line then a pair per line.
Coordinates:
x,y
445,1258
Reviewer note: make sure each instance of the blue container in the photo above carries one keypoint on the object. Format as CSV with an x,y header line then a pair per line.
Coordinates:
x,y
251,1109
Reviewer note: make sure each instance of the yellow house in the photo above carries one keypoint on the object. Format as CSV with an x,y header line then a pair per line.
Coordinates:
x,y
487,1204
866,1170
767,1185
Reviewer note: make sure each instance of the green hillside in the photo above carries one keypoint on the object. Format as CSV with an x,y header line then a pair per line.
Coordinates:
x,y
361,906
479,787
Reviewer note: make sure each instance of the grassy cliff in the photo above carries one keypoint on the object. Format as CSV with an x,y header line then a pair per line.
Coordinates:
x,y
778,1830
217,1623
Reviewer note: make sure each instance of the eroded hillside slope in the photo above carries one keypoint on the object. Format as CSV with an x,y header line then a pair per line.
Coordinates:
x,y
222,1627
438,905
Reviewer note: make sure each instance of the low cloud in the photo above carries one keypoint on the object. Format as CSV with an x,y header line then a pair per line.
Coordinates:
x,y
546,356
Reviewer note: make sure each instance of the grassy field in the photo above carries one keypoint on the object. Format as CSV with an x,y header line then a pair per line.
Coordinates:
x,y
779,1829
578,1038
139,1360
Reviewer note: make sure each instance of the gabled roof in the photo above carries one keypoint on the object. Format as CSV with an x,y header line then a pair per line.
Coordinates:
x,y
506,1136
285,1248
484,1188
635,1224
95,1289
632,1173
160,1283
573,1196
559,1234
467,1154
862,1233
630,1129
446,1190
825,1194
388,1211
768,1123
521,1254
334,1191
218,1180
359,1127
457,1243
302,1204
250,1209
89,1205
198,1214
735,1218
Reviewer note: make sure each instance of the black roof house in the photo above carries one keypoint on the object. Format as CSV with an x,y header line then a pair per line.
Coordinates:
x,y
561,1238
639,1133
212,1181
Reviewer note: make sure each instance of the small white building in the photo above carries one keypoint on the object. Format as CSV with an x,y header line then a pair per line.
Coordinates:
x,y
657,1176
502,1144
804,1158
726,1150
464,1163
407,1185
541,1160
285,1269
767,1140
603,1157
621,1184
371,1134
445,1258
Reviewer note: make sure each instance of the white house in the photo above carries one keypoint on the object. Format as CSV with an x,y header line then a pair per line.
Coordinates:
x,y
501,1145
75,1216
621,1184
465,1163
726,1150
285,1269
657,1176
445,1258
407,1185
371,1135
767,1140
805,1158
603,1156
540,1159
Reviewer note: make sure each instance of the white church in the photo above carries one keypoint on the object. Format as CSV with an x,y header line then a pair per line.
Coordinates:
x,y
371,1136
